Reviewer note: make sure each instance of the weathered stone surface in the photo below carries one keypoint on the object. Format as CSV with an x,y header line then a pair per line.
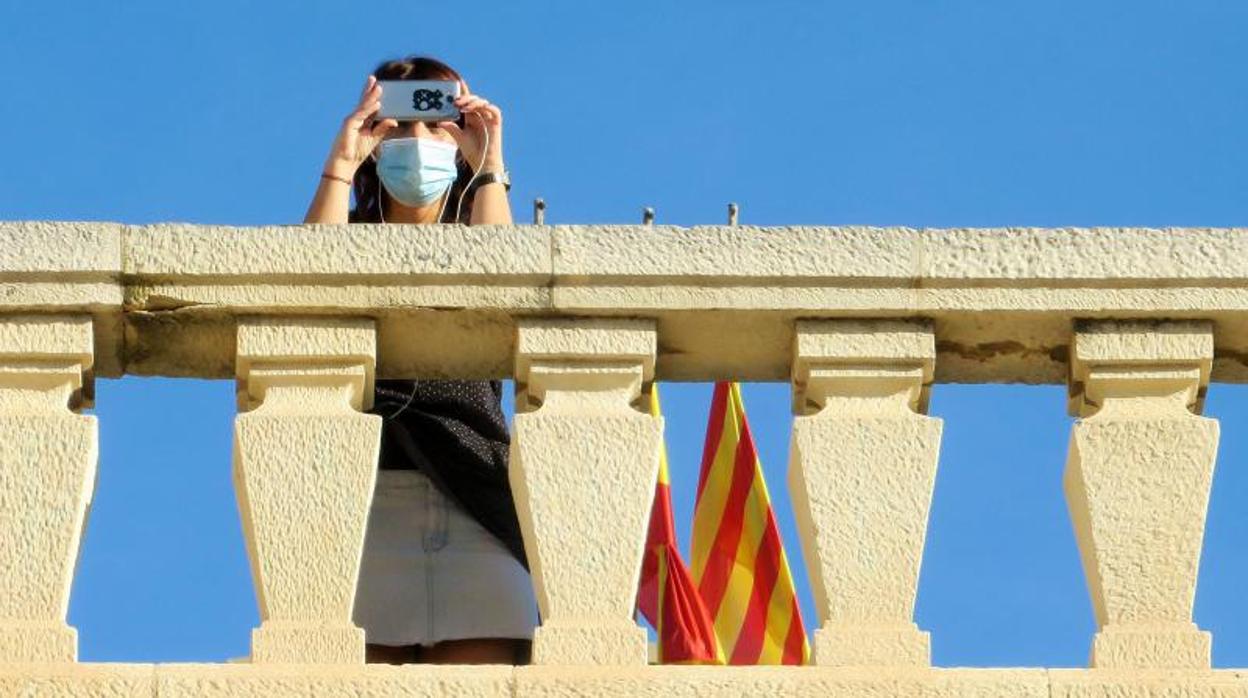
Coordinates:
x,y
860,358
65,680
67,267
1128,343
368,681
602,340
41,353
300,253
61,248
186,276
1111,356
585,640
432,681
47,337
724,298
26,291
47,477
865,341
48,458
581,453
697,681
1150,479
862,469
684,255
304,513
1147,683
306,352
865,643
306,340
989,254
1156,644
1137,483
305,509
601,311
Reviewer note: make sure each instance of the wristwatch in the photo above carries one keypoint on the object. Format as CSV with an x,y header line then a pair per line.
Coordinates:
x,y
484,178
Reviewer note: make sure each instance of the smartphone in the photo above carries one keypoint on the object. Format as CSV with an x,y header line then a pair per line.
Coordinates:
x,y
419,100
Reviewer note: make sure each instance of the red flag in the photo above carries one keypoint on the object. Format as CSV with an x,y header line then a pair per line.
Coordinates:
x,y
667,596
738,559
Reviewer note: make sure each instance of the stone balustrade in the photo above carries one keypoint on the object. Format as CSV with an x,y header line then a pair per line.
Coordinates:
x,y
862,321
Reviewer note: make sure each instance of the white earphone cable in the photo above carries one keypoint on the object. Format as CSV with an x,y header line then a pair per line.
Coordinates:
x,y
485,148
441,209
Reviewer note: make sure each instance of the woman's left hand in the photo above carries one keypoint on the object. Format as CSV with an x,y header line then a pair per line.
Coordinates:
x,y
481,118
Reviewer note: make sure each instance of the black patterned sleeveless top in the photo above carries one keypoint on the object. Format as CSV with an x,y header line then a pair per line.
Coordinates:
x,y
453,431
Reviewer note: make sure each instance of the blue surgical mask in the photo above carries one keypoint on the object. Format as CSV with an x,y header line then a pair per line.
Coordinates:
x,y
416,171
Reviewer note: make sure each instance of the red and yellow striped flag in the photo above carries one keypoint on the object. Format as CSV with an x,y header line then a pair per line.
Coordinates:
x,y
738,559
667,596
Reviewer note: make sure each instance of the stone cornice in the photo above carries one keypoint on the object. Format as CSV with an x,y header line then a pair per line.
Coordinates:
x,y
1003,301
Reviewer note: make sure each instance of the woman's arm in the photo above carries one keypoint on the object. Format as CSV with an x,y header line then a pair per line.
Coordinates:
x,y
490,204
482,142
356,139
332,201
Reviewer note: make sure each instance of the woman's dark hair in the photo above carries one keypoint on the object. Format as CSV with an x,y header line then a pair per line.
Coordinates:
x,y
367,186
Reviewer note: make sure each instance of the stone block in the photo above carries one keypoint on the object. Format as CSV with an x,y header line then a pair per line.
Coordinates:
x,y
1168,646
1147,683
795,682
332,681
336,253
47,475
564,643
306,350
66,680
724,255
297,642
871,645
854,358
36,640
600,341
1139,357
1137,481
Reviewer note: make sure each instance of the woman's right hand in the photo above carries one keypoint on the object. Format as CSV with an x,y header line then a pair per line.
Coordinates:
x,y
359,134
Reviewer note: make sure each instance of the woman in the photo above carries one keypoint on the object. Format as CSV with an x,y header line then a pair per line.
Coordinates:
x,y
443,577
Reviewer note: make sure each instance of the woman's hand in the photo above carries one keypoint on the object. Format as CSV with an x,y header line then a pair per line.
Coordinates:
x,y
481,141
359,134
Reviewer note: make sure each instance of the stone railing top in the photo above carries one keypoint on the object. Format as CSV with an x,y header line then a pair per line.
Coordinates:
x,y
1003,301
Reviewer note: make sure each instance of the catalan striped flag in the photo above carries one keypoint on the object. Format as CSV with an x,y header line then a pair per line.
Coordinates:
x,y
667,596
738,559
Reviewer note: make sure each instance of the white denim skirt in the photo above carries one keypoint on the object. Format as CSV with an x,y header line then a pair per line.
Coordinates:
x,y
430,572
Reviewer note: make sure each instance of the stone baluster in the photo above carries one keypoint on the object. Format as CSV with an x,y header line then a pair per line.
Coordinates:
x,y
583,467
1137,483
48,459
305,464
861,474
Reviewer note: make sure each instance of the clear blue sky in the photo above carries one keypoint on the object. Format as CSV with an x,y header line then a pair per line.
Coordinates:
x,y
915,113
